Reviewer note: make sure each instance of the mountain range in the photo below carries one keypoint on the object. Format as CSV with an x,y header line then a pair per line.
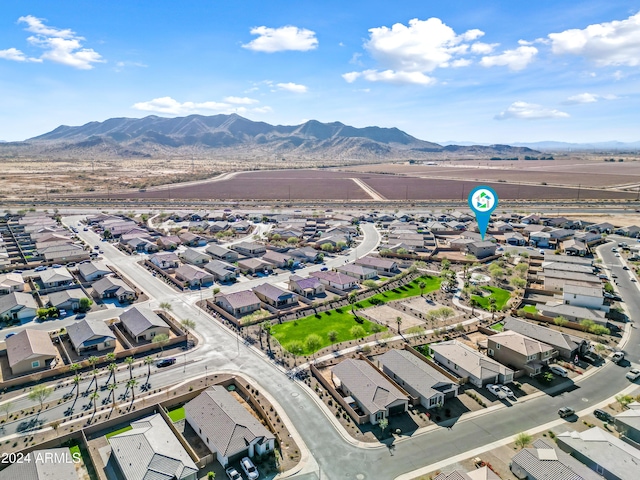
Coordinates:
x,y
554,146
154,136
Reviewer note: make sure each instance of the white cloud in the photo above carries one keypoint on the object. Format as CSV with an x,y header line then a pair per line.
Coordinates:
x,y
241,100
280,39
461,62
292,87
483,48
581,98
606,44
390,76
60,46
170,106
16,55
516,59
529,111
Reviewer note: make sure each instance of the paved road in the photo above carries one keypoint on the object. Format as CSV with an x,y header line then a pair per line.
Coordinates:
x,y
337,457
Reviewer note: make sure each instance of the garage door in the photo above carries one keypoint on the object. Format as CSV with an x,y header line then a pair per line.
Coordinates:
x,y
397,409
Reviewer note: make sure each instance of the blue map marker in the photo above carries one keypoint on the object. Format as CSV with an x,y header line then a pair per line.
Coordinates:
x,y
483,200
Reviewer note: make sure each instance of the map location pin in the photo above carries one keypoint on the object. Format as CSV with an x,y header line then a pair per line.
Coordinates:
x,y
483,200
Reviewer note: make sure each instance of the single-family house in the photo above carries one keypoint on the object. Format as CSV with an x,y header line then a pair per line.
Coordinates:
x,y
194,276
482,249
239,303
221,270
56,277
584,296
169,242
192,240
604,227
560,234
305,254
194,257
226,427
307,287
254,265
519,352
11,282
380,265
66,299
574,247
30,350
64,254
150,450
277,259
144,244
567,346
88,335
275,296
555,280
463,361
336,280
515,238
564,266
370,389
45,464
418,377
629,231
112,287
249,249
603,452
572,313
221,253
165,260
143,324
482,473
540,239
544,461
628,422
92,271
18,306
358,271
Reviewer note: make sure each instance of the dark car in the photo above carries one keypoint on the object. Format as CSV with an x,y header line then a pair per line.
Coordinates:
x,y
80,316
165,362
565,412
602,415
324,269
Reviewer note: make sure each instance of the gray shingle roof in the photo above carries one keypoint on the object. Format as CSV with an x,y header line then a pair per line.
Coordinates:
x,y
151,451
426,380
240,299
372,390
472,361
139,319
543,334
15,299
271,292
111,283
87,332
29,344
90,268
228,425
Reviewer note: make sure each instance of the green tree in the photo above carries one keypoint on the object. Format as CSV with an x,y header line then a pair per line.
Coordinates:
x,y
326,247
332,336
523,439
94,399
357,331
518,282
608,288
422,286
6,408
148,361
474,303
399,322
130,361
383,424
112,393
188,325
295,347
40,393
74,367
132,384
76,384
493,308
166,306
445,264
376,328
112,367
599,330
211,475
162,340
110,356
313,343
587,324
370,283
85,304
353,299
624,400
266,328
560,321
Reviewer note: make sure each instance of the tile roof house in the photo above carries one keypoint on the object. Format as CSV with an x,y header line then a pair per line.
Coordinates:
x,y
11,282
567,345
191,239
150,451
307,287
195,276
46,464
226,427
30,350
239,303
306,254
574,247
112,287
545,462
519,352
603,452
18,306
628,422
93,271
463,361
336,280
515,238
275,296
374,394
143,324
87,335
418,377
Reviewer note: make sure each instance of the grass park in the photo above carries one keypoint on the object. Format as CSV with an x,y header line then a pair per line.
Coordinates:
x,y
341,322
500,295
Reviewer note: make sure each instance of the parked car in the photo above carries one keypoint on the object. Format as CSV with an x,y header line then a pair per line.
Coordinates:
x,y
8,335
624,267
41,268
56,265
617,357
602,415
249,468
633,374
507,391
80,316
565,412
96,247
617,255
85,229
18,271
324,269
165,362
558,370
71,265
497,390
233,474
62,313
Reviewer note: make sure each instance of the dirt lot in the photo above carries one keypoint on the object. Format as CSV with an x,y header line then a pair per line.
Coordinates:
x,y
387,316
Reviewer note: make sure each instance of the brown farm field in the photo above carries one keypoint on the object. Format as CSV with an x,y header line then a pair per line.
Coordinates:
x,y
316,184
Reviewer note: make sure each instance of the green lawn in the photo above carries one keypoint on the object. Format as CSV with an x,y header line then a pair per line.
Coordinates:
x,y
116,432
340,320
411,289
498,327
530,309
75,449
176,414
501,296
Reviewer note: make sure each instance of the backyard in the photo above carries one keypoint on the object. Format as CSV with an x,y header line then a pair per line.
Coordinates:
x,y
411,289
500,296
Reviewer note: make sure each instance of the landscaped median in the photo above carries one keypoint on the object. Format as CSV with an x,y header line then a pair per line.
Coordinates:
x,y
315,332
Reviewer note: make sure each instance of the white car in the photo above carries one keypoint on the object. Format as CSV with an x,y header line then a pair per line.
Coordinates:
x,y
233,474
633,374
558,370
249,468
617,255
507,391
497,390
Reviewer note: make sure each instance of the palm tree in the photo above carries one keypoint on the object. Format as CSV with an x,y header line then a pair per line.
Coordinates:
x,y
188,325
352,300
266,327
474,303
422,286
130,361
132,385
74,367
148,361
94,399
165,306
95,377
399,322
76,382
112,392
112,371
493,308
110,356
93,360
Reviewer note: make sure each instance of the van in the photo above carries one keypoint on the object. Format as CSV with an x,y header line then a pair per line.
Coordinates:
x,y
558,370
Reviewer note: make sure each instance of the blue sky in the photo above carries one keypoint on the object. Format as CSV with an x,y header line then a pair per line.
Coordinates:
x,y
491,72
